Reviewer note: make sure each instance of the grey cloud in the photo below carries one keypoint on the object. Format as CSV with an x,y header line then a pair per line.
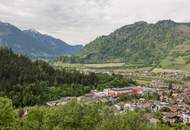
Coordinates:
x,y
80,21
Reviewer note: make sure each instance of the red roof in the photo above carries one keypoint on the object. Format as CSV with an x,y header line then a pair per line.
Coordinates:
x,y
173,110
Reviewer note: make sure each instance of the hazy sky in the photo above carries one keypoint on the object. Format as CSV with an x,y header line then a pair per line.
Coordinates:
x,y
80,21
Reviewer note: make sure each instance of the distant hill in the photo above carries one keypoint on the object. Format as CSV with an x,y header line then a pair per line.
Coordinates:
x,y
33,43
140,43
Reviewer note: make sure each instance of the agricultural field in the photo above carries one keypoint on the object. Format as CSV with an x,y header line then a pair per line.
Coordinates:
x,y
107,65
105,68
158,70
177,60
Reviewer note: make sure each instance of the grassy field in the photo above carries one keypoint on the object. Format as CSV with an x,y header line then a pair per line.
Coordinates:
x,y
158,70
67,65
108,67
177,60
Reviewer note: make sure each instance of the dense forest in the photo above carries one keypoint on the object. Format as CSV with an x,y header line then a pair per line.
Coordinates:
x,y
29,82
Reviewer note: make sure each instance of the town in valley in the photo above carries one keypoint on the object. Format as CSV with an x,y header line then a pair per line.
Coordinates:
x,y
163,101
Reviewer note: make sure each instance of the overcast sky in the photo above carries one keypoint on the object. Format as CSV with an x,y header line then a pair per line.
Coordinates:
x,y
81,21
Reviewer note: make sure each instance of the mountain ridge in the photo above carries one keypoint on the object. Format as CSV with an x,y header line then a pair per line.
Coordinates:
x,y
140,43
34,44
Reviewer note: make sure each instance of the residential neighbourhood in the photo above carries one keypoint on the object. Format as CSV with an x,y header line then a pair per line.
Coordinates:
x,y
163,102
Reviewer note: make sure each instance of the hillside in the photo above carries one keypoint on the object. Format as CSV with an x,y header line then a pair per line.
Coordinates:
x,y
177,59
29,82
33,43
139,43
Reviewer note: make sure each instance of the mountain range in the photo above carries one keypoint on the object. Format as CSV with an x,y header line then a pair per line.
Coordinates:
x,y
165,44
33,43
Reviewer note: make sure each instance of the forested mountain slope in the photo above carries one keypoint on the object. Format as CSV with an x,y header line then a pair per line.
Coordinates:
x,y
30,83
138,43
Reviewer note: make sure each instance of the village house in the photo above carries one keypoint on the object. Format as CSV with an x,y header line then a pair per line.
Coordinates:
x,y
174,75
129,107
185,118
158,84
171,118
117,108
164,98
158,105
